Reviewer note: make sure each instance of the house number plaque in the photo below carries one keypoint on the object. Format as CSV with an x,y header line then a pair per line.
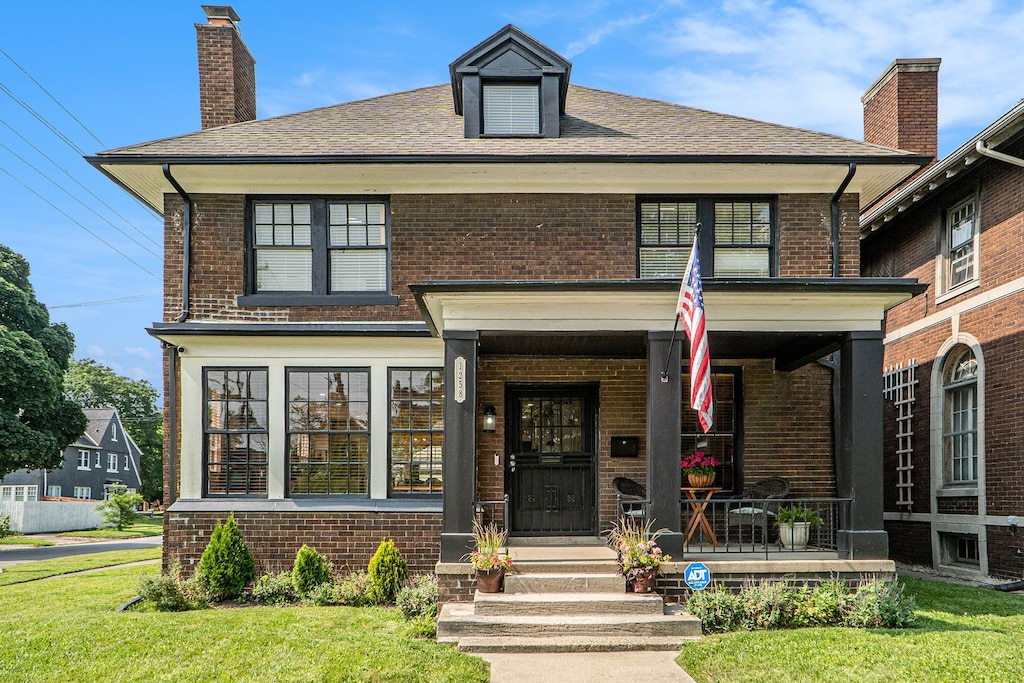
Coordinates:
x,y
460,379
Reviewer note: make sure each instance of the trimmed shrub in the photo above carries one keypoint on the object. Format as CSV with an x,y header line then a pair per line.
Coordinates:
x,y
227,566
355,590
419,598
163,591
5,526
310,570
273,589
388,571
718,609
768,605
826,605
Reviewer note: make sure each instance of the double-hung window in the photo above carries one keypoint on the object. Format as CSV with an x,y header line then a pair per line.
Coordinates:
x,y
961,262
84,458
306,250
84,492
736,236
111,462
416,431
235,431
328,431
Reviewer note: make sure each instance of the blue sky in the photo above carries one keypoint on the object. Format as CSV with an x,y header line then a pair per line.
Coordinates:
x,y
127,71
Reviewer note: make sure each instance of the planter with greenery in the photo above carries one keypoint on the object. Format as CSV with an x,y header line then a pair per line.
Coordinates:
x,y
638,553
699,469
489,558
795,523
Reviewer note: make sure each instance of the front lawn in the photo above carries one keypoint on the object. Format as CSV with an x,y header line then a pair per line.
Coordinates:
x,y
44,623
962,634
25,540
146,526
41,569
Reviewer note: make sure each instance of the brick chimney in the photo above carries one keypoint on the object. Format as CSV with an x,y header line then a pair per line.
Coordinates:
x,y
901,109
227,71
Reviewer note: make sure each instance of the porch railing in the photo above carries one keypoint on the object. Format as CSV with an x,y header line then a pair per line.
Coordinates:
x,y
492,512
749,525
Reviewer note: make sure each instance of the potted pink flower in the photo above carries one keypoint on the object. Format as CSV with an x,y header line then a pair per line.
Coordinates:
x,y
699,469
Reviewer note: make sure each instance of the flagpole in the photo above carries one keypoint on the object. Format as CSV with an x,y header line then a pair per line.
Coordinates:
x,y
675,325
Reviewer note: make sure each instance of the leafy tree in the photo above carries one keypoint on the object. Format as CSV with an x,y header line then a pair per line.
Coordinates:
x,y
120,506
93,385
37,421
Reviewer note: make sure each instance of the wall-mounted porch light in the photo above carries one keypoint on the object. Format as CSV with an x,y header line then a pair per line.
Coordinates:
x,y
490,419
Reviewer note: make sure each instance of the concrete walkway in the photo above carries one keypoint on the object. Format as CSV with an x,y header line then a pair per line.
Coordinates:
x,y
585,667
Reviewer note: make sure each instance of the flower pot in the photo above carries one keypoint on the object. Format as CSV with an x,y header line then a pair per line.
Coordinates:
x,y
700,481
645,581
490,580
794,535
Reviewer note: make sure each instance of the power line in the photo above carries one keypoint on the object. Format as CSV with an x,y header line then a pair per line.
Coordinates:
x,y
77,182
42,119
104,302
62,212
89,208
66,110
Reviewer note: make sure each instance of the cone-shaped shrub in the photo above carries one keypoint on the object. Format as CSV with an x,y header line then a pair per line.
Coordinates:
x,y
227,566
310,570
388,571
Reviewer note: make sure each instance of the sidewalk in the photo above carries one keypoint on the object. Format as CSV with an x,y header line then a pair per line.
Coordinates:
x,y
585,667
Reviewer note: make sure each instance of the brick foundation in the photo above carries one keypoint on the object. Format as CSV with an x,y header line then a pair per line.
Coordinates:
x,y
347,539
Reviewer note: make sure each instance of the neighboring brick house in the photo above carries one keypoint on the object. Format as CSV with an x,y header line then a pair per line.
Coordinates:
x,y
382,313
104,455
953,456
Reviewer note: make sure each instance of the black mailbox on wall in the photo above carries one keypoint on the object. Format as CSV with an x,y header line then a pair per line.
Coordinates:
x,y
625,446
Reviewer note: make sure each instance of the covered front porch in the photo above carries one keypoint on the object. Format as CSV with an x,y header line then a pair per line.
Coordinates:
x,y
570,376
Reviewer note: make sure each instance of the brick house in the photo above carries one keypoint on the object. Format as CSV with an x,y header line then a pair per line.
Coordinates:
x,y
383,317
953,475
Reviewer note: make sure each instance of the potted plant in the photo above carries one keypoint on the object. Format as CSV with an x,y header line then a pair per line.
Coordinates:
x,y
489,558
795,523
638,553
699,469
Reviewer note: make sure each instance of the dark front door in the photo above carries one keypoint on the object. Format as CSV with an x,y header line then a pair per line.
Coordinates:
x,y
551,466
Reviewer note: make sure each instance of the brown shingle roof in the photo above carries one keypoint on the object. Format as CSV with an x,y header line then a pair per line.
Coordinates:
x,y
423,122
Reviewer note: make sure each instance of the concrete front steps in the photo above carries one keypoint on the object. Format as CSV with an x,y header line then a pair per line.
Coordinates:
x,y
565,606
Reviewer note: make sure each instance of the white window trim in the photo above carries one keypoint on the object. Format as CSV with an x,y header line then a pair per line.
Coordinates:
x,y
972,524
51,488
85,490
944,291
88,459
111,458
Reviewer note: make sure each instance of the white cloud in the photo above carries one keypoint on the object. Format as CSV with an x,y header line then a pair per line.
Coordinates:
x,y
137,372
96,351
597,35
138,351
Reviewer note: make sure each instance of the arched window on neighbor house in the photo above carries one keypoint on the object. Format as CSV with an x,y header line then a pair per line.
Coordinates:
x,y
960,451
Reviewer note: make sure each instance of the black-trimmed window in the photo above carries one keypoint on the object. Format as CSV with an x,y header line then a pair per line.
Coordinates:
x,y
960,417
235,435
737,236
416,431
328,431
722,441
318,247
511,108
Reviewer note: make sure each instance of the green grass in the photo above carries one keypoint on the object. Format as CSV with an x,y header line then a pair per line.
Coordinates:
x,y
963,634
25,540
29,571
144,527
44,624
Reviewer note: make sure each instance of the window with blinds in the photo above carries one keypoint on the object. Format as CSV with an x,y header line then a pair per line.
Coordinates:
x,y
511,108
736,237
320,247
961,258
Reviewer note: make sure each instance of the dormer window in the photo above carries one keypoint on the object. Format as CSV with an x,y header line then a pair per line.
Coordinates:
x,y
510,85
511,108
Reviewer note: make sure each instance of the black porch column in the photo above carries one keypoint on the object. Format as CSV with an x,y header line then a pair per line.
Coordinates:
x,y
459,465
664,440
859,460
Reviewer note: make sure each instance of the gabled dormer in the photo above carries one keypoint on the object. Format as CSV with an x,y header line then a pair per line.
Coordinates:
x,y
510,85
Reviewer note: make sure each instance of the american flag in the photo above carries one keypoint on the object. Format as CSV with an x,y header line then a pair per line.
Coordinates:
x,y
690,309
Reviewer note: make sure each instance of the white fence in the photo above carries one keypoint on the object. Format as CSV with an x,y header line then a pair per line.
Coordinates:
x,y
40,517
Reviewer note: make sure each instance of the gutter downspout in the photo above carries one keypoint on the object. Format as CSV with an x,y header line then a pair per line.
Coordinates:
x,y
989,152
186,247
835,218
172,423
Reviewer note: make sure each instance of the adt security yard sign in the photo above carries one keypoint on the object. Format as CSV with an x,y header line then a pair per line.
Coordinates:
x,y
697,576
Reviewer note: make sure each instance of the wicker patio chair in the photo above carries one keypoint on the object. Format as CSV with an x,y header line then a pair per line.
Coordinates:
x,y
750,517
631,498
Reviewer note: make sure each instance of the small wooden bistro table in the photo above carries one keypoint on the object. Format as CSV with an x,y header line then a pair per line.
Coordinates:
x,y
699,497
